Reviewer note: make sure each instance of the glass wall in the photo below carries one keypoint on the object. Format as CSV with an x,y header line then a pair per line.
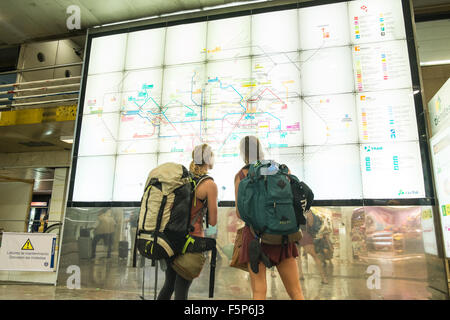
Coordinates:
x,y
99,241
378,253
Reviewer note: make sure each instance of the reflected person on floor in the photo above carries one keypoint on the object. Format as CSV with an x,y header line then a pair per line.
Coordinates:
x,y
104,231
307,243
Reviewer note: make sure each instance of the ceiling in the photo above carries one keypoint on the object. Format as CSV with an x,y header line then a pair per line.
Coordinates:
x,y
31,20
24,21
36,137
426,3
40,137
43,177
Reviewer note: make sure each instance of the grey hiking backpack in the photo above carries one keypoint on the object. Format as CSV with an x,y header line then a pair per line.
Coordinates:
x,y
165,217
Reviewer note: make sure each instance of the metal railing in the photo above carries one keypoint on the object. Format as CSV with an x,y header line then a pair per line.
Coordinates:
x,y
40,93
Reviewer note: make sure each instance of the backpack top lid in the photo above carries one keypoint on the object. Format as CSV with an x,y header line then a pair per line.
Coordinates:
x,y
266,168
171,176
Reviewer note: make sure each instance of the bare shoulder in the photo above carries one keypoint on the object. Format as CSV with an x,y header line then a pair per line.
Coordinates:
x,y
209,183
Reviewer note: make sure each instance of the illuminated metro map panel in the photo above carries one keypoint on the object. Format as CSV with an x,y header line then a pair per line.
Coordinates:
x,y
322,87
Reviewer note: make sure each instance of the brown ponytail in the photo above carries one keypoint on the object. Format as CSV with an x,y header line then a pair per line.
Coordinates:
x,y
251,149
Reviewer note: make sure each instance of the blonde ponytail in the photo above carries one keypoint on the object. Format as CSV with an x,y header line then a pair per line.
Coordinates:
x,y
201,159
198,170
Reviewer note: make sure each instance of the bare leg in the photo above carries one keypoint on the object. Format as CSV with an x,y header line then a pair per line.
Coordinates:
x,y
312,252
258,282
289,275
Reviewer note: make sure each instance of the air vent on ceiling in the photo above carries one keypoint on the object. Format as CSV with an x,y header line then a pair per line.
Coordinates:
x,y
33,144
9,58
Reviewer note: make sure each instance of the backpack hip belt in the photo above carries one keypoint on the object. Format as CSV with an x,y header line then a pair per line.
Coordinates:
x,y
278,239
160,241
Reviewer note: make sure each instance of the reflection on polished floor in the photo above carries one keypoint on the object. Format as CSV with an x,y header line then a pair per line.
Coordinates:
x,y
363,238
113,279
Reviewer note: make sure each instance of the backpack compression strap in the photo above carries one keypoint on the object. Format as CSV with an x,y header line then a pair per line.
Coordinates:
x,y
158,222
147,190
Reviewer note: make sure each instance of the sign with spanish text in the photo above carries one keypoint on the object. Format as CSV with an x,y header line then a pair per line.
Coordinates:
x,y
27,251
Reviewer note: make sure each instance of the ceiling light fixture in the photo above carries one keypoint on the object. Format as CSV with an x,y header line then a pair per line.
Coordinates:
x,y
66,139
434,63
179,12
233,4
126,21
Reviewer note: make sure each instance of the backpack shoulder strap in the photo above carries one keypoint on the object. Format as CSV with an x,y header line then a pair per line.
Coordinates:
x,y
241,172
199,180
201,211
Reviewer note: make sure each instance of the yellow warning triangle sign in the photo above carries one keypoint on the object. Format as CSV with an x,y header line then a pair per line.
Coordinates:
x,y
28,245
